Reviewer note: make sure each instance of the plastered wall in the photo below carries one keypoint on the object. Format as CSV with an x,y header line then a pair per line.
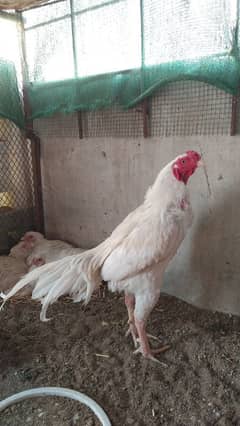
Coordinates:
x,y
90,185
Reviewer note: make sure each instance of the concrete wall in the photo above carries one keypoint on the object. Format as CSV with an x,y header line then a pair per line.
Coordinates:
x,y
90,185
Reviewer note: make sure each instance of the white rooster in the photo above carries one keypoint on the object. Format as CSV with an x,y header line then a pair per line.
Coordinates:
x,y
133,259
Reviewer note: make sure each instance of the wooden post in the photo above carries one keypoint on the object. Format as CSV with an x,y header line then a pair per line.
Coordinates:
x,y
35,141
80,125
37,182
36,165
233,129
145,111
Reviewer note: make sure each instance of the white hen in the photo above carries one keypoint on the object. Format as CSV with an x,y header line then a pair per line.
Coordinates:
x,y
14,267
46,251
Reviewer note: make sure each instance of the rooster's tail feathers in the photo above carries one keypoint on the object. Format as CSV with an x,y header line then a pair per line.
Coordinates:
x,y
77,276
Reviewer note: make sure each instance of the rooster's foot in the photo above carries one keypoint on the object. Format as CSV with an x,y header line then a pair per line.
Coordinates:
x,y
150,354
132,330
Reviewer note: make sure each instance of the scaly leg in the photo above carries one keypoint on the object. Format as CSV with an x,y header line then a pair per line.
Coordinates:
x,y
144,343
130,304
145,302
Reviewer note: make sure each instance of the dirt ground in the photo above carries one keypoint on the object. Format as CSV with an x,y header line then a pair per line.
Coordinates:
x,y
199,386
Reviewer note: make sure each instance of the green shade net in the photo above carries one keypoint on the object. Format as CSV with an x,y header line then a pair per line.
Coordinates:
x,y
117,52
10,101
128,88
84,94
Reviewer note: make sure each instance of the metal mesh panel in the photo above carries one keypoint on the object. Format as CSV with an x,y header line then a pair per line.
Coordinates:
x,y
46,13
114,122
238,116
48,41
108,37
105,123
180,109
181,29
16,185
49,51
190,108
59,125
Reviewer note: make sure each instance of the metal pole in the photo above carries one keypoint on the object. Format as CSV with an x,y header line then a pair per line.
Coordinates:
x,y
35,141
234,115
145,103
79,114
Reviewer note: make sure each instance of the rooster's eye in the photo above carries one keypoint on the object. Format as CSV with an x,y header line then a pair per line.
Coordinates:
x,y
183,161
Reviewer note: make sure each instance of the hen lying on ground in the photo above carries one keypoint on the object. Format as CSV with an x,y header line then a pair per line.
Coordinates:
x,y
33,250
44,251
14,267
133,259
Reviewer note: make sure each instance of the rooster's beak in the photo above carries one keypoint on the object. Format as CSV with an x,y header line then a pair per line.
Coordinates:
x,y
200,163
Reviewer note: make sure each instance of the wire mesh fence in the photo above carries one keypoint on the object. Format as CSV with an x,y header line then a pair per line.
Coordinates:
x,y
61,44
190,108
186,108
113,122
16,169
57,125
16,185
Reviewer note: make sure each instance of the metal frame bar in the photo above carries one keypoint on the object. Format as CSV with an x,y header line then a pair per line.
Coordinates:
x,y
145,103
73,38
80,124
60,1
234,115
37,180
36,155
71,15
146,121
35,141
25,73
235,99
73,28
51,21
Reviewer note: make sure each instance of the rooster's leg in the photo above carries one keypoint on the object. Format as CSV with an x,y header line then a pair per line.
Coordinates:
x,y
145,303
130,304
144,343
143,338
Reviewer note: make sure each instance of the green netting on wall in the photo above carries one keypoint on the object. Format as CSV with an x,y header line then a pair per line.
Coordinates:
x,y
93,54
10,70
10,101
84,94
134,47
128,88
